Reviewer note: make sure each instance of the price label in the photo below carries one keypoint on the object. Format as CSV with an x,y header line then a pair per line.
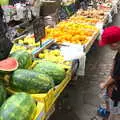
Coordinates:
x,y
5,46
39,29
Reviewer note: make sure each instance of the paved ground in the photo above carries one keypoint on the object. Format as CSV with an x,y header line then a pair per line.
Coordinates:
x,y
80,101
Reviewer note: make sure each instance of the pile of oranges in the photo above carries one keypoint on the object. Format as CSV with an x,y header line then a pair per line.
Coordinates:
x,y
67,31
82,19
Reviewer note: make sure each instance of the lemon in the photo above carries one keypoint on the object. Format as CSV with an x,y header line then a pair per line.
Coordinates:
x,y
41,55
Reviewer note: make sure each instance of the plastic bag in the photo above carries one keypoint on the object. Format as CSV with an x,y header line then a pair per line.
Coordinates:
x,y
72,51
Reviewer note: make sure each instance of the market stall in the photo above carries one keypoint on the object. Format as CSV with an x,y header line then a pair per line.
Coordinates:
x,y
42,62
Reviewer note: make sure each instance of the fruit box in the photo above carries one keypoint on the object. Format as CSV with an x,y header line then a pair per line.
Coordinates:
x,y
45,98
40,114
49,98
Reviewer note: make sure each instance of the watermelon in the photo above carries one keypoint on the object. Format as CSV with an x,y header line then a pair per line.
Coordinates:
x,y
3,93
8,65
52,69
24,58
30,81
20,106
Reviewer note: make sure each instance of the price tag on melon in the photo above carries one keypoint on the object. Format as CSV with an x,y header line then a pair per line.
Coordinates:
x,y
39,29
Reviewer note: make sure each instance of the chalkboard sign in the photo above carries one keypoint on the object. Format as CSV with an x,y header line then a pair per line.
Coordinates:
x,y
5,46
39,29
62,14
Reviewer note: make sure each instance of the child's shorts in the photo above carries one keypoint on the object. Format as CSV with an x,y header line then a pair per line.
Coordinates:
x,y
114,109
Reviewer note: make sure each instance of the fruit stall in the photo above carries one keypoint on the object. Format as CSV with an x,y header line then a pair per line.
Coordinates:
x,y
36,73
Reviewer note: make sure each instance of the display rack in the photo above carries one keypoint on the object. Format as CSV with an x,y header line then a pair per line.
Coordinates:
x,y
46,101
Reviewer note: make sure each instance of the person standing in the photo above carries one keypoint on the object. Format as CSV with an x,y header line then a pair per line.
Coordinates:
x,y
111,38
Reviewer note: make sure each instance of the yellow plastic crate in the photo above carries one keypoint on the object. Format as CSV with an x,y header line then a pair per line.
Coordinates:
x,y
58,89
49,98
45,98
40,113
61,87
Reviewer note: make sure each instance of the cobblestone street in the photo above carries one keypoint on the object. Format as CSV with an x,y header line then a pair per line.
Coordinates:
x,y
79,100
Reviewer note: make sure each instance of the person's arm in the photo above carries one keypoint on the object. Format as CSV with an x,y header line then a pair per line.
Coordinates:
x,y
107,83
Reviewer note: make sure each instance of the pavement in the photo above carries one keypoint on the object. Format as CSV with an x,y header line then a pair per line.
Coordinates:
x,y
80,99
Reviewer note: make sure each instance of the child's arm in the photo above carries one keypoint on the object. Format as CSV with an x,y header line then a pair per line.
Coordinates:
x,y
107,83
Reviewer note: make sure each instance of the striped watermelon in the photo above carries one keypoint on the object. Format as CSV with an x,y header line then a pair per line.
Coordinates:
x,y
51,69
30,81
20,106
23,57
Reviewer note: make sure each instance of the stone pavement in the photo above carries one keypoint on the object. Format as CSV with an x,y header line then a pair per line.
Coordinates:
x,y
80,99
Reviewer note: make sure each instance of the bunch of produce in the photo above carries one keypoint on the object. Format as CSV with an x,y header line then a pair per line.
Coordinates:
x,y
28,41
20,106
71,32
98,14
82,19
17,47
24,79
53,56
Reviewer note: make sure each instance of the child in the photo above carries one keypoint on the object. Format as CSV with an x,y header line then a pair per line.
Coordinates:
x,y
111,37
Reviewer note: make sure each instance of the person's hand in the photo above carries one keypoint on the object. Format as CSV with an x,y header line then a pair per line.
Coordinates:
x,y
102,85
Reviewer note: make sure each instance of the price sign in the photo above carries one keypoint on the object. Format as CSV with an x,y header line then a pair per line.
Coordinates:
x,y
5,46
39,29
62,14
